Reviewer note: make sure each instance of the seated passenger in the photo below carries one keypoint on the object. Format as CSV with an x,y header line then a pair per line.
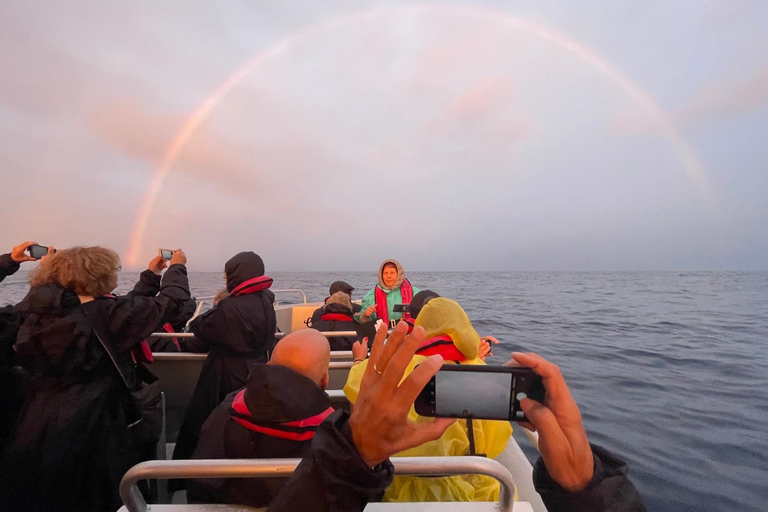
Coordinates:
x,y
393,288
336,286
260,421
338,317
450,334
237,333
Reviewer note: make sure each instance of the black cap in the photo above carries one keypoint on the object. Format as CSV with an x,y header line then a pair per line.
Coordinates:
x,y
341,286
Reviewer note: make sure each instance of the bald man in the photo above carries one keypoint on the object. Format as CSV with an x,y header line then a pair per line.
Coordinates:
x,y
274,416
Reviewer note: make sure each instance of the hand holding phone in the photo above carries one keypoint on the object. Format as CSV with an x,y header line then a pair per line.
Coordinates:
x,y
479,392
166,254
37,251
400,308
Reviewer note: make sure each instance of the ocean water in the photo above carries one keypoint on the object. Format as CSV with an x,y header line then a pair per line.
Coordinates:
x,y
670,370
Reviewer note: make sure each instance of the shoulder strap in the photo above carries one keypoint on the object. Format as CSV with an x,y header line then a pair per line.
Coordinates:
x,y
99,329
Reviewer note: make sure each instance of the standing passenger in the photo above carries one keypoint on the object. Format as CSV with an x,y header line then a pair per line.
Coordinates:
x,y
393,288
237,333
71,443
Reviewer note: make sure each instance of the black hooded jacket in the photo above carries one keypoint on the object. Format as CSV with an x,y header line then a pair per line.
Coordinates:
x,y
70,444
237,333
275,395
326,324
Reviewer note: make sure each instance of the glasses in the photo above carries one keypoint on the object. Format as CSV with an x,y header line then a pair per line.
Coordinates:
x,y
119,268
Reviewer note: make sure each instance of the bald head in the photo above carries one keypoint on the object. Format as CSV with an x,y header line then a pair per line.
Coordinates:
x,y
305,351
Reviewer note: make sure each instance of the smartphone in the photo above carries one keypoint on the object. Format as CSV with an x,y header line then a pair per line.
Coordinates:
x,y
400,308
479,392
37,251
166,254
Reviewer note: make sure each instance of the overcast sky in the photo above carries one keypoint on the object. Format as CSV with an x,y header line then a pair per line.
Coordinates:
x,y
514,135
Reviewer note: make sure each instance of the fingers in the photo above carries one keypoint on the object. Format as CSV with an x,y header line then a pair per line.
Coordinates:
x,y
404,346
550,374
378,345
412,386
542,418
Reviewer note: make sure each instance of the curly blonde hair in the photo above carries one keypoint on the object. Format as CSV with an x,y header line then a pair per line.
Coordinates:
x,y
84,270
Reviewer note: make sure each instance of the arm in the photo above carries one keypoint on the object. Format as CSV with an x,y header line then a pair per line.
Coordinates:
x,y
7,266
202,327
572,475
149,280
333,476
368,309
134,317
147,286
609,489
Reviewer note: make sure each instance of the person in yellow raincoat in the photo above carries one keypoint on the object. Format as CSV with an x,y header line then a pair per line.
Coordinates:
x,y
449,333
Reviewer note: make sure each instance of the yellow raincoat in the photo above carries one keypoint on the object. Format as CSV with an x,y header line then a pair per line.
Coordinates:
x,y
445,317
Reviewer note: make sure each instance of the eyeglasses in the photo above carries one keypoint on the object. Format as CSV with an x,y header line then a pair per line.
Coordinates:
x,y
119,268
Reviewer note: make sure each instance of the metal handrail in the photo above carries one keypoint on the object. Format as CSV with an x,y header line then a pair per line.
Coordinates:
x,y
278,335
190,356
270,468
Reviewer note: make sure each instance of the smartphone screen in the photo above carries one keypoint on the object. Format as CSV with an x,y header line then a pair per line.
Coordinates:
x,y
166,254
482,395
481,392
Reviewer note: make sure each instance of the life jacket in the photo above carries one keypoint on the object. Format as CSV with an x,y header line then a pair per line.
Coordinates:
x,y
406,294
442,345
339,317
253,285
300,430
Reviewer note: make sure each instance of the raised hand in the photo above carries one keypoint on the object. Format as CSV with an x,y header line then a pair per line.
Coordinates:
x,y
19,256
379,422
563,443
179,258
157,265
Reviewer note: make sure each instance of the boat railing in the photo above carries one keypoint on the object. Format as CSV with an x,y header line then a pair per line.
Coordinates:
x,y
270,468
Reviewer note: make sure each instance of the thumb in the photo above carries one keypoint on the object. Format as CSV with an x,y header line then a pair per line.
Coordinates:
x,y
431,431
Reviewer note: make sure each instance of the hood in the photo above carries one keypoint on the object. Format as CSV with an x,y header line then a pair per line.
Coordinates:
x,y
441,316
400,275
338,308
48,299
241,267
277,394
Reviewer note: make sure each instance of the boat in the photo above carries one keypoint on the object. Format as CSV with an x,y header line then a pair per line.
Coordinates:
x,y
178,373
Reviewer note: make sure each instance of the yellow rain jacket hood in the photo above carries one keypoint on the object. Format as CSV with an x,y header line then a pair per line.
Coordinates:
x,y
440,317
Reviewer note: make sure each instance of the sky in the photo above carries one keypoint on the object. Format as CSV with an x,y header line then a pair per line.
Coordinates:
x,y
486,135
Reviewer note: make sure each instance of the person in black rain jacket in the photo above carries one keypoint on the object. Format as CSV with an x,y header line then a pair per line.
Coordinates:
x,y
274,416
349,465
71,441
237,333
337,316
336,286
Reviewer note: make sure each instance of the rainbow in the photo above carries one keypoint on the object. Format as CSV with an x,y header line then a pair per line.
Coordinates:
x,y
690,162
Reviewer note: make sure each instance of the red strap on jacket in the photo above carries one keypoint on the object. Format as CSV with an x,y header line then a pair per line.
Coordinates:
x,y
252,286
341,317
285,430
442,345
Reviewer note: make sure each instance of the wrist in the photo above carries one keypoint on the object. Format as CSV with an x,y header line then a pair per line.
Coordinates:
x,y
370,459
